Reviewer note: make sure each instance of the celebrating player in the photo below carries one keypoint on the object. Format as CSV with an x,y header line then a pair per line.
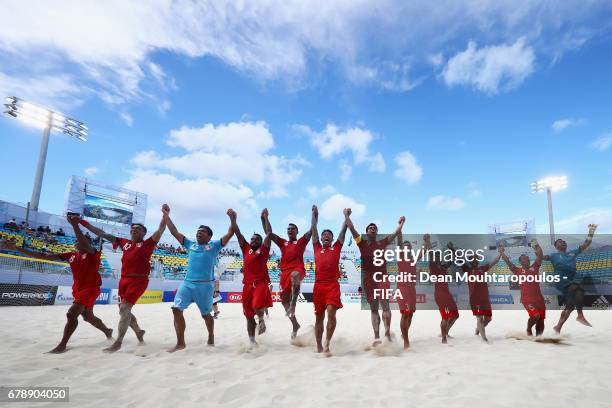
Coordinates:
x,y
199,282
531,295
564,264
135,269
443,297
479,294
84,264
291,266
407,304
256,295
367,247
326,292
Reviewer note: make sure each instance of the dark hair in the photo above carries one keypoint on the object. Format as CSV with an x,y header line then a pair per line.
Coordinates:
x,y
371,224
257,235
207,229
293,225
327,230
557,240
140,225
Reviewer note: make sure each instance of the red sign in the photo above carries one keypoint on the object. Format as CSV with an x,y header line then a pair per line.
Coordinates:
x,y
234,297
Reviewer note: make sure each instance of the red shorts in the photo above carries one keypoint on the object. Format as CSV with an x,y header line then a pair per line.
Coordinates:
x,y
369,284
448,314
324,294
285,283
481,306
255,297
86,296
407,304
535,307
478,311
131,289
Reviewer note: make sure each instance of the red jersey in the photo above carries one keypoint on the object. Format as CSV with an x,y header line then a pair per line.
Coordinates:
x,y
440,286
136,259
530,291
327,262
84,269
367,248
292,255
479,291
407,268
255,264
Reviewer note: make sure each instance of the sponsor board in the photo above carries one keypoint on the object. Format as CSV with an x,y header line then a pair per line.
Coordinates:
x,y
64,296
151,296
168,295
501,299
15,294
351,297
234,297
114,296
598,301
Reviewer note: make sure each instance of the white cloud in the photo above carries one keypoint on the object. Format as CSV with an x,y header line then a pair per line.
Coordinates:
x,y
345,170
315,192
108,48
491,69
578,223
441,202
562,124
407,167
127,118
332,208
473,189
603,142
333,141
91,171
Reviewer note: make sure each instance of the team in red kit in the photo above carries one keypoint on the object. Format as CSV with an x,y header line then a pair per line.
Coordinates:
x,y
257,292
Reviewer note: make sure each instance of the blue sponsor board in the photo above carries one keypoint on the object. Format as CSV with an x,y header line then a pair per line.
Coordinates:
x,y
501,299
223,297
103,297
168,295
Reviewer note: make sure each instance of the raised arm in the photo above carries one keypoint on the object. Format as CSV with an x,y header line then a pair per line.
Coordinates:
x,y
342,233
228,235
81,239
349,224
538,252
589,239
162,227
11,246
171,227
313,225
494,261
232,214
267,240
267,227
506,259
111,238
398,229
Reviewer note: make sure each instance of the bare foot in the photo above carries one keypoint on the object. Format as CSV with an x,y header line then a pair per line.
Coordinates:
x,y
444,341
319,348
326,350
476,332
115,346
109,333
211,340
582,320
376,342
406,344
557,329
140,336
176,348
261,327
60,348
253,343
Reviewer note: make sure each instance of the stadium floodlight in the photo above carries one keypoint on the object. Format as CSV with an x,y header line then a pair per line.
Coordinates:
x,y
49,121
550,184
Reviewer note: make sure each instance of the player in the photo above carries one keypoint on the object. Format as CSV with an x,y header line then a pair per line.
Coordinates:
x,y
444,299
407,305
367,247
256,295
84,264
564,264
531,295
291,266
199,282
326,292
479,294
135,269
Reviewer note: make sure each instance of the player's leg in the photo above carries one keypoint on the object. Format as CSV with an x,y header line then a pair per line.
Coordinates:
x,y
405,321
295,292
375,317
261,301
451,322
125,317
179,328
72,322
261,322
444,329
331,326
286,296
319,320
251,329
137,330
565,314
578,292
203,297
539,323
249,313
95,321
386,317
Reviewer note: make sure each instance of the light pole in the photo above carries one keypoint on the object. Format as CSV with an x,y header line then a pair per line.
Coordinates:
x,y
49,121
550,184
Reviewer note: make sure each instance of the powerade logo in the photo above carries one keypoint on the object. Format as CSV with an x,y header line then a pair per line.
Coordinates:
x,y
27,295
501,299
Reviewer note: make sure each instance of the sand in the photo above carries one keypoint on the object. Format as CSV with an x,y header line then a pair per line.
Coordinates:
x,y
464,373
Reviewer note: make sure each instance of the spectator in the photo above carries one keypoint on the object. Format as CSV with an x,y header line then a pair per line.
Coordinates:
x,y
60,233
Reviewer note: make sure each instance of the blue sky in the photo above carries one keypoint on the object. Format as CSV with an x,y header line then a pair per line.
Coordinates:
x,y
443,113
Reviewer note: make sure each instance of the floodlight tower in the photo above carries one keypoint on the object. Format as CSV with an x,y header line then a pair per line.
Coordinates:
x,y
49,121
550,184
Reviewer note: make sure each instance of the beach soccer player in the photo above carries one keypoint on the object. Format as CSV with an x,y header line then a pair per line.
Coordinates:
x,y
531,295
444,299
564,267
291,266
326,292
84,264
407,303
199,284
367,246
135,270
479,293
256,295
